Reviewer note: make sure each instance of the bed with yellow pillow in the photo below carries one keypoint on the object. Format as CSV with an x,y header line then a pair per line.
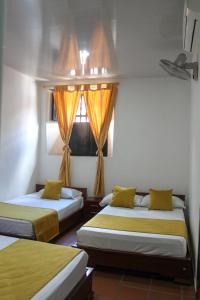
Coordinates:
x,y
35,270
41,215
146,227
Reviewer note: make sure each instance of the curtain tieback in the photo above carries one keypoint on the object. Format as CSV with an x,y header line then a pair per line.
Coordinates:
x,y
66,148
99,152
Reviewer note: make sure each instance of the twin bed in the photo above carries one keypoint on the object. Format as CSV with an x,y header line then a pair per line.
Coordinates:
x,y
68,211
68,280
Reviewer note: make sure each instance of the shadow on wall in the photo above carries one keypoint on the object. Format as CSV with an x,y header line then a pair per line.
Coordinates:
x,y
19,134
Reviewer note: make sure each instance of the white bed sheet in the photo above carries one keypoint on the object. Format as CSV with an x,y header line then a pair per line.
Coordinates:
x,y
62,284
152,244
64,208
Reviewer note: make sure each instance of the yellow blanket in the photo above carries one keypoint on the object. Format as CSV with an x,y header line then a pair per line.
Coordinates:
x,y
158,226
26,266
45,221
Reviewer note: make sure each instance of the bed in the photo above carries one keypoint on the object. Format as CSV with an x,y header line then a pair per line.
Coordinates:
x,y
167,255
73,281
69,211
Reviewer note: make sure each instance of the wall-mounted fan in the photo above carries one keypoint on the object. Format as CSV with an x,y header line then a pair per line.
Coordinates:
x,y
179,67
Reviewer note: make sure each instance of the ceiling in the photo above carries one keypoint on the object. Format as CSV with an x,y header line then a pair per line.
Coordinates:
x,y
124,38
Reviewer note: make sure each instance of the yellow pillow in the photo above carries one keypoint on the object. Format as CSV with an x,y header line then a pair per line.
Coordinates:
x,y
123,197
119,188
161,200
52,189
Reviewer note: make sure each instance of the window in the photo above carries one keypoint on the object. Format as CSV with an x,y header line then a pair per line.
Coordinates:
x,y
82,142
81,115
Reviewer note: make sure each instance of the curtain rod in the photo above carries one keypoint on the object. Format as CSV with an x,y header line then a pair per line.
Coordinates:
x,y
92,81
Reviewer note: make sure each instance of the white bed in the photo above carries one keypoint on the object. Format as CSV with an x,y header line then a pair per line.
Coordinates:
x,y
152,244
64,208
62,284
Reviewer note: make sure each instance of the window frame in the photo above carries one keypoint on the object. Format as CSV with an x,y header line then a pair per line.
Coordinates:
x,y
53,118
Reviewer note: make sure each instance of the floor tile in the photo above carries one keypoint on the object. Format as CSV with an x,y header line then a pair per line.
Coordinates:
x,y
105,285
188,291
136,281
108,275
68,238
165,286
131,293
106,294
70,241
154,295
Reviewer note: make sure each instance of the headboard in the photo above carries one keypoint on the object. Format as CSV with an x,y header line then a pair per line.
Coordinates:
x,y
39,186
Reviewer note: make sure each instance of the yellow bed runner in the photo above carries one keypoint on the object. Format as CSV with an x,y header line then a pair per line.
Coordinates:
x,y
158,226
27,266
45,221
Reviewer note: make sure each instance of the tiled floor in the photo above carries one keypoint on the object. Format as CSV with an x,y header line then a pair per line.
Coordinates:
x,y
67,238
122,286
118,285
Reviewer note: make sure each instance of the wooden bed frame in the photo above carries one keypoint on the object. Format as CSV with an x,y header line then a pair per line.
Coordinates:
x,y
180,269
83,289
75,217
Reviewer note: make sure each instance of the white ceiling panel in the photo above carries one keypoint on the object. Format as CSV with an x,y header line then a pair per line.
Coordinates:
x,y
124,38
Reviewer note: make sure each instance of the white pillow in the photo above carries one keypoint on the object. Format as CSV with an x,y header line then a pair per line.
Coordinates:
x,y
40,192
66,193
108,198
176,202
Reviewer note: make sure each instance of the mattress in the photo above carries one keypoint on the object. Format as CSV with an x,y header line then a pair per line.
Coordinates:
x,y
145,243
64,208
62,284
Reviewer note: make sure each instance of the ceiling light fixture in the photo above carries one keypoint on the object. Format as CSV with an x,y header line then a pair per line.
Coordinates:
x,y
83,57
72,72
95,71
103,71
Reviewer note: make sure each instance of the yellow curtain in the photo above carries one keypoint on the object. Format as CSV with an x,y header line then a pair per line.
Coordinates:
x,y
99,104
66,102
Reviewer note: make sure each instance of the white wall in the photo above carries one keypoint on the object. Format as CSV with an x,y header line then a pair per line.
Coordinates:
x,y
194,196
151,139
2,15
19,134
